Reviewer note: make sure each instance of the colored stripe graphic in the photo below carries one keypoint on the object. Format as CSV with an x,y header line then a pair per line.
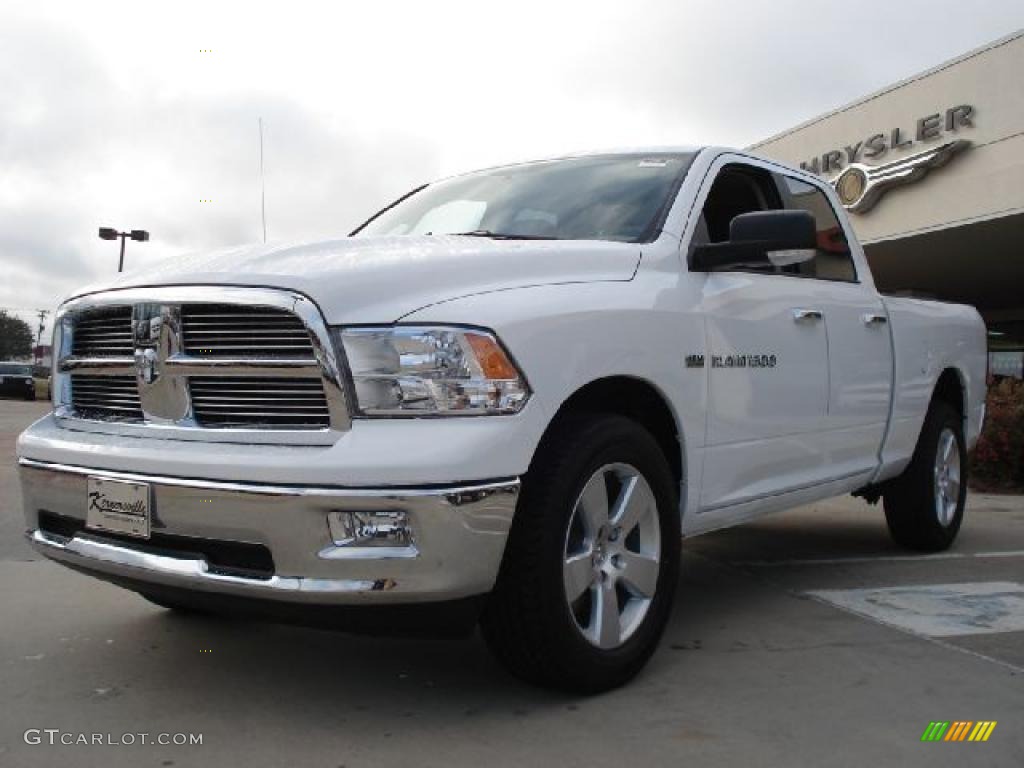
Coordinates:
x,y
982,731
958,730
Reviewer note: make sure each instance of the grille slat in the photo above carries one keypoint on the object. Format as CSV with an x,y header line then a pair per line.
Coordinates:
x,y
102,400
203,349
244,398
283,333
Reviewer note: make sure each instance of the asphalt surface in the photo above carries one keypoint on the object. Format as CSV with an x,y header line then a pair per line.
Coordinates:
x,y
769,660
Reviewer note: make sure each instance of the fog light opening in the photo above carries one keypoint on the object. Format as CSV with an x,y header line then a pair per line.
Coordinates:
x,y
388,528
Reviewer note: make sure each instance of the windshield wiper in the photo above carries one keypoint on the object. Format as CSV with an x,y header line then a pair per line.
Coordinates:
x,y
503,235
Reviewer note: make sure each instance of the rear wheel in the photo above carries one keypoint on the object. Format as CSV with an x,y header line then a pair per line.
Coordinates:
x,y
590,569
924,507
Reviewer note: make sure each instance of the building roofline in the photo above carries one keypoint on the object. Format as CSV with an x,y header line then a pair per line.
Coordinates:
x,y
998,43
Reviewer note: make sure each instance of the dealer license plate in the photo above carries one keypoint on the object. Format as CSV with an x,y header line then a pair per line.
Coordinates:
x,y
118,506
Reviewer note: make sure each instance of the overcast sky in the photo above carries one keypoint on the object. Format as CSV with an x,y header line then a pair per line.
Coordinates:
x,y
115,113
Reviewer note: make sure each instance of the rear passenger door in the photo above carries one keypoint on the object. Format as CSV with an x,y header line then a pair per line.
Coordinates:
x,y
859,342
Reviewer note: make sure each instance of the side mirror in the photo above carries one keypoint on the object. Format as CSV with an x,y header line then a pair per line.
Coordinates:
x,y
761,239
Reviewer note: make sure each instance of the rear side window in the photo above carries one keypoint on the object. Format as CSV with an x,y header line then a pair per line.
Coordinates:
x,y
833,260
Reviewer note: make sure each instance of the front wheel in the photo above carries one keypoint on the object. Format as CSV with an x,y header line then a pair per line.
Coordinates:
x,y
590,569
924,507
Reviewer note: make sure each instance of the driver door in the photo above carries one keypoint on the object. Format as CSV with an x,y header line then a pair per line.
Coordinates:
x,y
767,359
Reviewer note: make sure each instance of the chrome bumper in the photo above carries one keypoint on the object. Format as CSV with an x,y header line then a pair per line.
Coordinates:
x,y
458,536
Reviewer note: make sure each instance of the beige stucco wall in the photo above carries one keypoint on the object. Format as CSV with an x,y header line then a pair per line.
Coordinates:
x,y
984,181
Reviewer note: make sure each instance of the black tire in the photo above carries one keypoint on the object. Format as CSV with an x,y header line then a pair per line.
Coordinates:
x,y
528,623
912,500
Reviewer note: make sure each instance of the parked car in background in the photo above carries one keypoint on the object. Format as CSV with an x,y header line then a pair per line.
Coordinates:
x,y
502,400
16,379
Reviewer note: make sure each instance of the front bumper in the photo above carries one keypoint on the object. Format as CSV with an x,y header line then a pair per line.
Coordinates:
x,y
458,537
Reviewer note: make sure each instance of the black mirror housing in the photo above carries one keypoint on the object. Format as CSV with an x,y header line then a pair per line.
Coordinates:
x,y
761,239
777,230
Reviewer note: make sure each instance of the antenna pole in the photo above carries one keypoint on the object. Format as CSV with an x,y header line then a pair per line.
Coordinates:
x,y
263,187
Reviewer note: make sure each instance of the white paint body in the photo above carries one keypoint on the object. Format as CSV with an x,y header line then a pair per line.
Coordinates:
x,y
842,408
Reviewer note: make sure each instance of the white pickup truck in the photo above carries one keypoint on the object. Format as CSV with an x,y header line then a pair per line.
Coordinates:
x,y
502,400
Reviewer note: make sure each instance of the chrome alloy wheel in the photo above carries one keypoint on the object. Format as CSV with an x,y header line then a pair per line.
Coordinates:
x,y
947,477
612,555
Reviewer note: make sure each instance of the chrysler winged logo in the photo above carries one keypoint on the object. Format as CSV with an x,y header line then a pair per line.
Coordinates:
x,y
860,186
164,396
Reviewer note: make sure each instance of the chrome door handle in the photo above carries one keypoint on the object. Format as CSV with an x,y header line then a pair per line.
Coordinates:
x,y
873,319
806,315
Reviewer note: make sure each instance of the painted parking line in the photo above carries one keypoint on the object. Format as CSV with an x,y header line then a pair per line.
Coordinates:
x,y
876,559
937,610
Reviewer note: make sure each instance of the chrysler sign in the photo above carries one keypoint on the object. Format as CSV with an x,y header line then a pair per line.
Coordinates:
x,y
860,184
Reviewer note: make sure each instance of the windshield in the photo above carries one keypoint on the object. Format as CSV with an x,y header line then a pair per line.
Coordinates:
x,y
608,197
14,369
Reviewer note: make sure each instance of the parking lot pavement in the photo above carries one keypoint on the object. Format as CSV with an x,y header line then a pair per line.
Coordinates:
x,y
805,639
15,415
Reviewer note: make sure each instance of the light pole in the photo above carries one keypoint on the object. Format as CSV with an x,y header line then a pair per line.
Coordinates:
x,y
108,233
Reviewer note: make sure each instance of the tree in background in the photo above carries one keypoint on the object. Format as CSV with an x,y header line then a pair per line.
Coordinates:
x,y
15,337
998,460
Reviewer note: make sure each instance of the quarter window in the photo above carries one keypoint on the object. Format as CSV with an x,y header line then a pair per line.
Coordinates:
x,y
833,260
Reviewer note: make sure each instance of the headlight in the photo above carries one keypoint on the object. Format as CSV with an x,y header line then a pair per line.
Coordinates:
x,y
419,371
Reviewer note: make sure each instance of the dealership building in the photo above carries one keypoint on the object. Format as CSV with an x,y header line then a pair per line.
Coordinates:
x,y
931,170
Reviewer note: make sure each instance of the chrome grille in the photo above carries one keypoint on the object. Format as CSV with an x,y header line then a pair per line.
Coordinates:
x,y
201,363
103,332
273,401
106,397
225,330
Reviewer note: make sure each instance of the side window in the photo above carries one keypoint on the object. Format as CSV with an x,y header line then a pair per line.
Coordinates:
x,y
833,260
737,189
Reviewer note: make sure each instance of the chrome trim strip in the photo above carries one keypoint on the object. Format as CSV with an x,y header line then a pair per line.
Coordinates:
x,y
107,366
456,495
325,364
335,552
297,367
194,572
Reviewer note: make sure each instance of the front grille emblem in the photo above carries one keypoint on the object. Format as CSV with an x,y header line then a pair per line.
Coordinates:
x,y
163,395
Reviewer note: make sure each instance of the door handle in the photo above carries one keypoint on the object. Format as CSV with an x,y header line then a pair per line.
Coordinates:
x,y
872,319
806,315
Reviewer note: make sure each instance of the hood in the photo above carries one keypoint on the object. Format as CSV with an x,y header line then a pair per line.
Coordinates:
x,y
380,279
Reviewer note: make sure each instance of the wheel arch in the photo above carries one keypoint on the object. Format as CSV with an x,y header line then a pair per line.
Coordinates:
x,y
951,388
638,399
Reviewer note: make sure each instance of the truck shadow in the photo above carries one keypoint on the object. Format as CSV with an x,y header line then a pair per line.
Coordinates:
x,y
389,685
